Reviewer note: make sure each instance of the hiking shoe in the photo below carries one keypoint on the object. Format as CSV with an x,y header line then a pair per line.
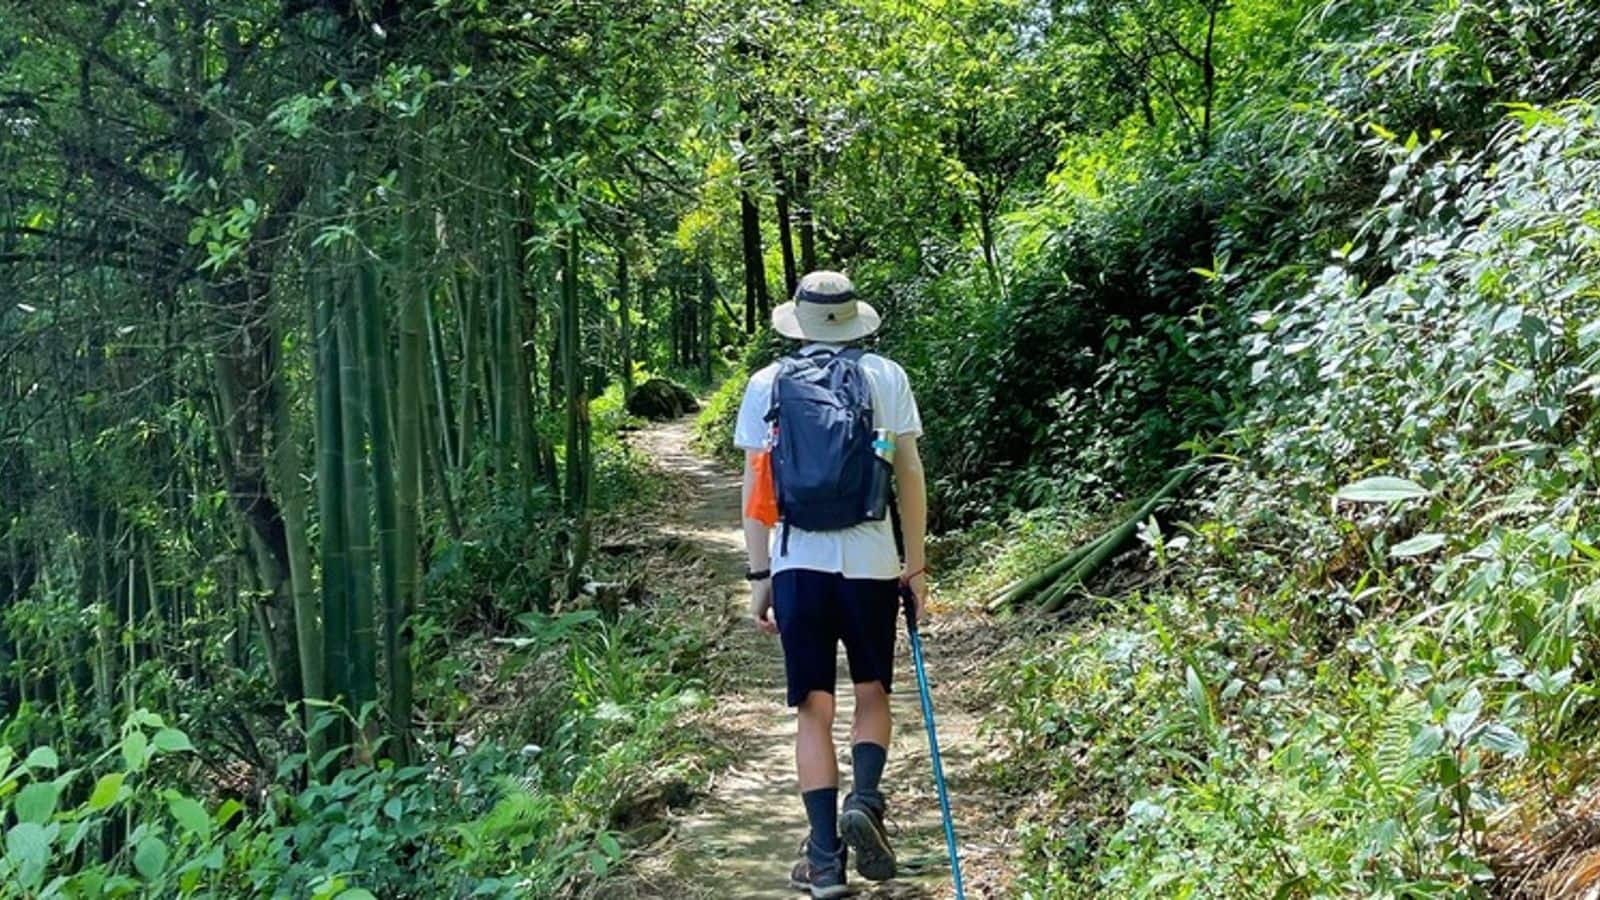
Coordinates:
x,y
861,826
823,881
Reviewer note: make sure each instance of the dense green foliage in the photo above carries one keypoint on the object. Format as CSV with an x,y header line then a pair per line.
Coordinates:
x,y
320,321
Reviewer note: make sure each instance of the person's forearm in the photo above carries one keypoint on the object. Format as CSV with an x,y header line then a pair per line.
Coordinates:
x,y
911,491
757,537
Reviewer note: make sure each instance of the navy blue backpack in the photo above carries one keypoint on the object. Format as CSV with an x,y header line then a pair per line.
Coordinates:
x,y
824,467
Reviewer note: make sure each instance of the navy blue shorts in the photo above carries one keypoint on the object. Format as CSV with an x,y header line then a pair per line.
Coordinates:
x,y
817,610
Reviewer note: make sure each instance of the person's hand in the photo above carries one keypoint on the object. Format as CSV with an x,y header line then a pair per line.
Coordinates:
x,y
761,606
919,589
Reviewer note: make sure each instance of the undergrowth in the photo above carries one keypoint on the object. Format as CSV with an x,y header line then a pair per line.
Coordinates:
x,y
1375,628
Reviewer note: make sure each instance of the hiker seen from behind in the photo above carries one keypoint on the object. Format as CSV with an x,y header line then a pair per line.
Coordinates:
x,y
830,439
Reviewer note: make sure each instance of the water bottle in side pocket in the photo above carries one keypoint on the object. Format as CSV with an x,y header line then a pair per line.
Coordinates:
x,y
882,474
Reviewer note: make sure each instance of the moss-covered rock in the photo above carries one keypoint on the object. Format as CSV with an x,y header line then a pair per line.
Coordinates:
x,y
660,399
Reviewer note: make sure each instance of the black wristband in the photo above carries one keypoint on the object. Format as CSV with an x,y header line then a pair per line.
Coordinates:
x,y
762,575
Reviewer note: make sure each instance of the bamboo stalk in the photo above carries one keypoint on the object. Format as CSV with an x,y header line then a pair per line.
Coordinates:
x,y
467,411
440,373
1111,543
380,383
330,502
1023,588
358,526
308,628
409,477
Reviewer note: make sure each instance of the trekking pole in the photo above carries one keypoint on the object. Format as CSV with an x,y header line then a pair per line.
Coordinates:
x,y
909,602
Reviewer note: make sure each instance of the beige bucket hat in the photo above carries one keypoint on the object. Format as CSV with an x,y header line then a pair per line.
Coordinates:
x,y
825,308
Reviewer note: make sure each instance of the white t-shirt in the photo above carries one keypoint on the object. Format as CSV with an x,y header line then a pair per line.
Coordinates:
x,y
861,551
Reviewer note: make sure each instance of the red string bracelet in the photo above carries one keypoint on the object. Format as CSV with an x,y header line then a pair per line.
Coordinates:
x,y
906,579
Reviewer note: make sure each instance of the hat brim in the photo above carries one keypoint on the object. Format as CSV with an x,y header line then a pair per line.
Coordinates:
x,y
787,321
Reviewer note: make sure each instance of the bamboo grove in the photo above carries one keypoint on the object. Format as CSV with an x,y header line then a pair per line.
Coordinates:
x,y
306,304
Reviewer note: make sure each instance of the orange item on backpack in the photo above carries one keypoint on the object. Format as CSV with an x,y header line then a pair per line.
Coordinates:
x,y
762,504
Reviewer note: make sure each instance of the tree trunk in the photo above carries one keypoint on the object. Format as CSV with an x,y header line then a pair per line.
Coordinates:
x,y
577,487
791,279
624,325
708,291
806,219
756,298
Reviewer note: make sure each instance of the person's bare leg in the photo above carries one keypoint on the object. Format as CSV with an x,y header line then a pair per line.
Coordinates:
x,y
813,746
872,721
861,822
819,786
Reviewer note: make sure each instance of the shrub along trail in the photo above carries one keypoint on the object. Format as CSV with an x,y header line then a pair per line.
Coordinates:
x,y
740,838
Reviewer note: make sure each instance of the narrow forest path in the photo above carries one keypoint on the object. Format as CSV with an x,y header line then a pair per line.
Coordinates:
x,y
740,839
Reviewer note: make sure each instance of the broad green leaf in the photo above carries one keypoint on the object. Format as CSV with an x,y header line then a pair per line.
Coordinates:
x,y
42,758
1418,545
1465,715
1427,742
225,813
190,815
171,740
106,790
355,894
1381,489
36,802
28,848
150,857
1500,739
135,750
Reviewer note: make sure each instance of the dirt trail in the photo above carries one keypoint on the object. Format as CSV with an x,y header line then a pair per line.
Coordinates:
x,y
740,839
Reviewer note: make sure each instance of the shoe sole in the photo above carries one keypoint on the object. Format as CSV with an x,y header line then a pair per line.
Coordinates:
x,y
874,858
820,893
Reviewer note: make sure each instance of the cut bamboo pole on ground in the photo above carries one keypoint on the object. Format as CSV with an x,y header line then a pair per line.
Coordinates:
x,y
1050,586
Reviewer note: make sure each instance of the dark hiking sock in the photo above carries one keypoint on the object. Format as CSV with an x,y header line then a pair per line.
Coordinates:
x,y
867,760
822,811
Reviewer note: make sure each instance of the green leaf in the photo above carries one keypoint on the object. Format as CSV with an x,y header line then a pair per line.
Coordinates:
x,y
1465,714
1427,742
1199,698
1381,489
135,750
1418,545
42,758
150,858
28,847
36,802
171,740
106,790
190,815
229,808
608,844
1500,739
355,894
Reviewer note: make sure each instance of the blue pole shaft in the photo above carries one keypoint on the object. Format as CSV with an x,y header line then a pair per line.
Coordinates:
x,y
933,746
